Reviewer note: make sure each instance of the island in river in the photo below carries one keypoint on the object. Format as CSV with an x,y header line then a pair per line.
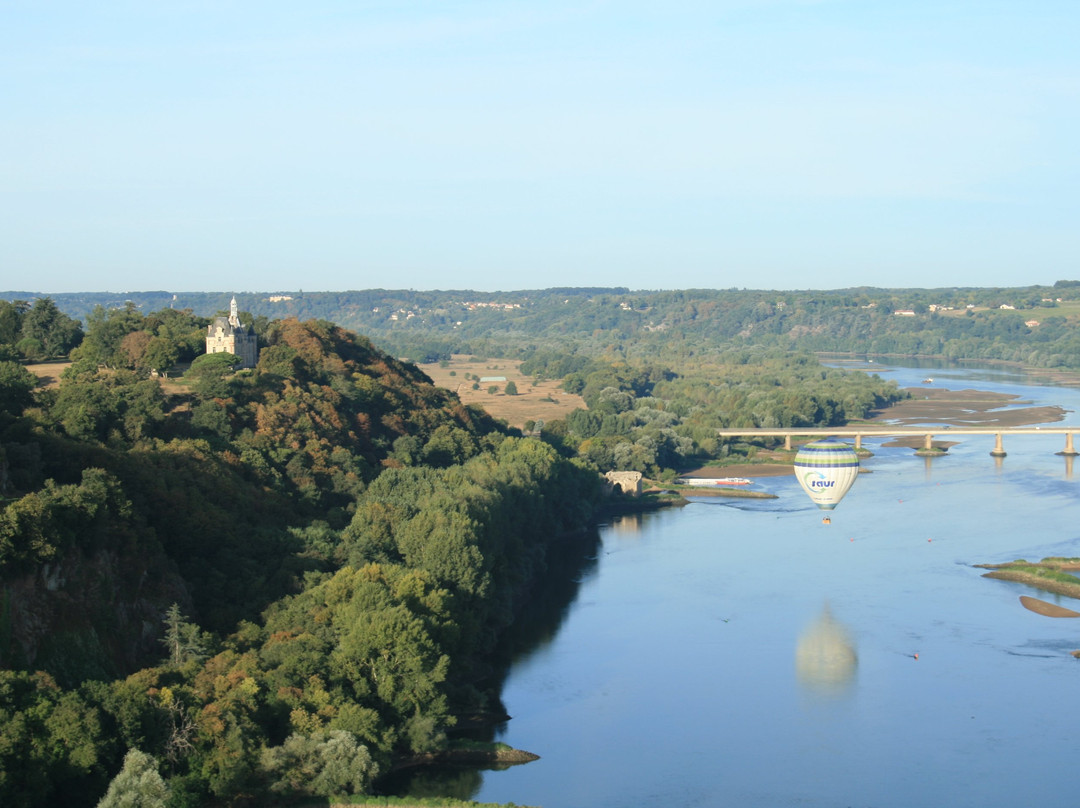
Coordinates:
x,y
1050,574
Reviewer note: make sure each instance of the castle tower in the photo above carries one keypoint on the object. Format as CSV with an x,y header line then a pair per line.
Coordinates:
x,y
228,334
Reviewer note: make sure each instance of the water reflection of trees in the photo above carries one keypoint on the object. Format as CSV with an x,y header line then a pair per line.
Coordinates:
x,y
568,563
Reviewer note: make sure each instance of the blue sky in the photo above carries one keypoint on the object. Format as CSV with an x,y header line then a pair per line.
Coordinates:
x,y
258,146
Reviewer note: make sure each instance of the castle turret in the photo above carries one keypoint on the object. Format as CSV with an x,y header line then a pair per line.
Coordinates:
x,y
229,335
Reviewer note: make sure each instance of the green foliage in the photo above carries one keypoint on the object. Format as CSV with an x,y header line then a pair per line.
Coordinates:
x,y
210,374
108,406
322,764
231,500
16,388
12,314
48,330
183,641
52,743
105,331
39,526
138,785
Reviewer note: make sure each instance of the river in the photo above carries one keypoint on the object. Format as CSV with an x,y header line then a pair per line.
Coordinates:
x,y
742,653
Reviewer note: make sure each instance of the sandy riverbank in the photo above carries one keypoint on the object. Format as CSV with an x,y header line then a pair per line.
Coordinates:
x,y
976,408
965,408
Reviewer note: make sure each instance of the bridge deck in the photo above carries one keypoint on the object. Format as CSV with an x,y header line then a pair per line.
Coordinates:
x,y
868,430
860,431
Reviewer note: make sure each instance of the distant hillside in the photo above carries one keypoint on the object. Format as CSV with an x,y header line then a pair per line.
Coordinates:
x,y
1036,325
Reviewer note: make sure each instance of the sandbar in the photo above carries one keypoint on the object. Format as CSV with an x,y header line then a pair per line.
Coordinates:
x,y
935,405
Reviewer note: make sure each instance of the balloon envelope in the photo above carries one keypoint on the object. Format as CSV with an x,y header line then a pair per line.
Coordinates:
x,y
826,470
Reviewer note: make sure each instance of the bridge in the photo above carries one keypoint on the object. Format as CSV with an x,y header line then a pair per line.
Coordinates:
x,y
927,433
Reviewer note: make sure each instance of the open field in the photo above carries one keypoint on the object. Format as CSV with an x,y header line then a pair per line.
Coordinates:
x,y
48,373
543,401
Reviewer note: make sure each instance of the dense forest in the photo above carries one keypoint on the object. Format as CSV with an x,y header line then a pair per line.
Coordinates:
x,y
233,583
217,584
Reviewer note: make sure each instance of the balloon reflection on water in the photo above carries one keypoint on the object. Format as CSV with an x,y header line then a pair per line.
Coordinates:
x,y
825,657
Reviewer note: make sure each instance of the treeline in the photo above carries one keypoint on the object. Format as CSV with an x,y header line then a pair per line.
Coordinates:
x,y
232,584
647,417
977,323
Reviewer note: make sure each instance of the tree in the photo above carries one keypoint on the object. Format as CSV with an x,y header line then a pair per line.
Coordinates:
x,y
323,764
52,743
55,331
182,639
16,388
133,346
161,354
511,388
31,349
210,374
138,785
11,320
105,330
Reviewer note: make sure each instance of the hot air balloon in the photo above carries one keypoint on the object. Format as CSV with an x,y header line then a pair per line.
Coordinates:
x,y
826,469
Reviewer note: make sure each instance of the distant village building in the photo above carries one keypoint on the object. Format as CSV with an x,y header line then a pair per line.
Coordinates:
x,y
228,335
904,312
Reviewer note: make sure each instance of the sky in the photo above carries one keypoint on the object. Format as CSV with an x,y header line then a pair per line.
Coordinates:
x,y
320,146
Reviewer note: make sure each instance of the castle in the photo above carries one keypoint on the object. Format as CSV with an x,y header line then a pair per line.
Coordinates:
x,y
228,335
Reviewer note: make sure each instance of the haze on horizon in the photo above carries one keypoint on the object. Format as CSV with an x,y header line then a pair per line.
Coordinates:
x,y
789,144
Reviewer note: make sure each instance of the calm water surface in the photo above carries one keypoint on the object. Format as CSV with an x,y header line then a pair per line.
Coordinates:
x,y
742,653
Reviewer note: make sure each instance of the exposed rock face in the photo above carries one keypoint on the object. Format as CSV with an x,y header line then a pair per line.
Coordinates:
x,y
86,616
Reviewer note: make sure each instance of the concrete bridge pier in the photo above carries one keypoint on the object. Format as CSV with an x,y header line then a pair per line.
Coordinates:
x,y
787,443
999,449
928,449
859,450
1068,451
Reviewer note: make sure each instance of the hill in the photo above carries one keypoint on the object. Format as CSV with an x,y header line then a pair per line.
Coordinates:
x,y
311,558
